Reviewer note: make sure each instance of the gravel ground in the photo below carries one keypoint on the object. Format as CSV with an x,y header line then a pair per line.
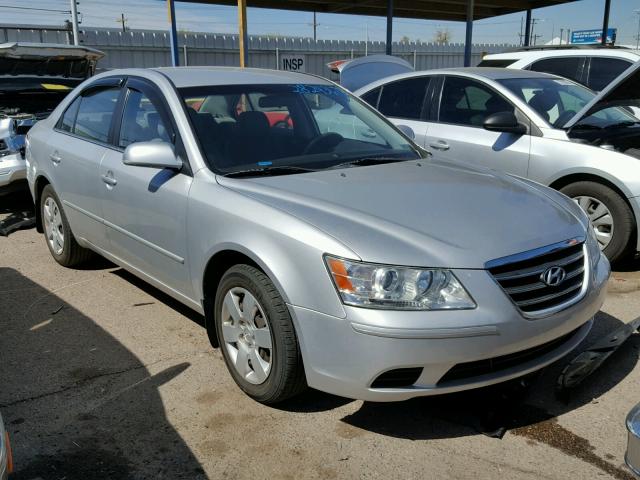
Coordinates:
x,y
104,377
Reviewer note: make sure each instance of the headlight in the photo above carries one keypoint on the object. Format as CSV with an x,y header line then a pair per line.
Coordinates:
x,y
397,288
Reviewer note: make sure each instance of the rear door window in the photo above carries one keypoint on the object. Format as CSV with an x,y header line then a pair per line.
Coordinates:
x,y
603,71
404,98
567,67
371,97
96,113
68,119
497,63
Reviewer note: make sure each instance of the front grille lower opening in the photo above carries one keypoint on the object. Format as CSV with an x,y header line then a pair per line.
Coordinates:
x,y
397,378
468,370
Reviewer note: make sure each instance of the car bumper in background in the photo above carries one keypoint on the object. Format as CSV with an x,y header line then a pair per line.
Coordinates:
x,y
6,460
383,355
633,447
12,168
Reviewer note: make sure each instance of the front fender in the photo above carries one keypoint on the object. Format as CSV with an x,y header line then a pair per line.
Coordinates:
x,y
289,250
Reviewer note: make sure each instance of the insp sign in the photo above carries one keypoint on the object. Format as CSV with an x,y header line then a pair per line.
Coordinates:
x,y
293,62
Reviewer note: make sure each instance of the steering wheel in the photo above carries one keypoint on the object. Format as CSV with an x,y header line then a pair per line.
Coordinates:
x,y
323,143
564,118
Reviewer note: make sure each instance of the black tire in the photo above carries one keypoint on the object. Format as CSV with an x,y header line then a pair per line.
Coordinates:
x,y
622,243
286,377
72,254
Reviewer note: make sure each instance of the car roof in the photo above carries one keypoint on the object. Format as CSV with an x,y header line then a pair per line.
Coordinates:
x,y
565,52
491,73
202,76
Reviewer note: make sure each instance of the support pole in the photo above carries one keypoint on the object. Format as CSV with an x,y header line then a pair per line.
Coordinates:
x,y
173,34
527,29
389,27
242,32
605,22
74,22
468,39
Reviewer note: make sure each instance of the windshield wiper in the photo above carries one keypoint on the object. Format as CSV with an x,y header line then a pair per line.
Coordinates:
x,y
365,161
626,123
265,171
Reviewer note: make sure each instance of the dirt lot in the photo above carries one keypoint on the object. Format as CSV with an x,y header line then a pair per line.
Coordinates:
x,y
103,377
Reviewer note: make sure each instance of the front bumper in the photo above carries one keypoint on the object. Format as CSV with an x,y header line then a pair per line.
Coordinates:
x,y
345,356
12,168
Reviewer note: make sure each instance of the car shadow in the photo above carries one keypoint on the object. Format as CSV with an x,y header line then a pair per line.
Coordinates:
x,y
76,402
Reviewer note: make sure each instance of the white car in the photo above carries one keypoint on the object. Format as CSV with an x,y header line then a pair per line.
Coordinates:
x,y
533,125
596,67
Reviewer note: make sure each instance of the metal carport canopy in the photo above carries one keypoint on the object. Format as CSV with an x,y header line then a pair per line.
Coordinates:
x,y
452,10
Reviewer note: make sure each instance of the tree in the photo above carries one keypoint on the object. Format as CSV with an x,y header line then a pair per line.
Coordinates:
x,y
442,36
405,39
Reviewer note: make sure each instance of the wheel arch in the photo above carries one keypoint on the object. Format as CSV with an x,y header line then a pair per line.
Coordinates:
x,y
39,184
568,179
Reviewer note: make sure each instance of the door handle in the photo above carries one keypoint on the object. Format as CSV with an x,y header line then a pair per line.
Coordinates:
x,y
109,180
439,145
55,158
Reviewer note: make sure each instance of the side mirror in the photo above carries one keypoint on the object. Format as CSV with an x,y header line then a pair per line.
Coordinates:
x,y
151,154
407,130
505,122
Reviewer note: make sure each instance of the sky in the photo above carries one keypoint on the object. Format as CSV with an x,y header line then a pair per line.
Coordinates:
x,y
152,14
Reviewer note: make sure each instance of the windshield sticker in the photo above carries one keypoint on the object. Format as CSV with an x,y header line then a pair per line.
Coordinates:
x,y
330,91
265,164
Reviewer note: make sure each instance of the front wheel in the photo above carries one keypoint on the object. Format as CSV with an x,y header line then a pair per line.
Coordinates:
x,y
610,215
257,336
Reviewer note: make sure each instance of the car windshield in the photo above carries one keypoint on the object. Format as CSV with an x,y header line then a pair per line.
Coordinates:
x,y
289,128
557,100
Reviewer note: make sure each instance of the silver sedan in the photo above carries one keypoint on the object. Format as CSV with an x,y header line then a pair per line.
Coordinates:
x,y
322,252
534,125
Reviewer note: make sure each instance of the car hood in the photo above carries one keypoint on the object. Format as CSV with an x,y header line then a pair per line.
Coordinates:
x,y
424,213
624,91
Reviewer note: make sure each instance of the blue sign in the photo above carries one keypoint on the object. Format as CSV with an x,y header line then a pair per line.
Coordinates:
x,y
593,36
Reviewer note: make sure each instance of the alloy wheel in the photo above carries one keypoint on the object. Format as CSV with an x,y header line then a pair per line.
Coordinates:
x,y
52,218
246,335
600,217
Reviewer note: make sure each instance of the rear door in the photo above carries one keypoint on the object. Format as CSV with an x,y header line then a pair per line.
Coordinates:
x,y
403,102
145,209
75,149
457,133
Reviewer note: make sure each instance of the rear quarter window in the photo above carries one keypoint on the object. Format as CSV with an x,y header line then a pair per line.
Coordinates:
x,y
498,63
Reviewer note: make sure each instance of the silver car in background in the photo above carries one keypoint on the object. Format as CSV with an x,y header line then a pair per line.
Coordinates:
x,y
351,263
533,125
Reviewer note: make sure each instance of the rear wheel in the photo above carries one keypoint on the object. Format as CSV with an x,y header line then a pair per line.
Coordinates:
x,y
60,240
610,215
257,337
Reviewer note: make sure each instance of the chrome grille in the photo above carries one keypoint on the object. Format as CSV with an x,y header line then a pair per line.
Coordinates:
x,y
520,276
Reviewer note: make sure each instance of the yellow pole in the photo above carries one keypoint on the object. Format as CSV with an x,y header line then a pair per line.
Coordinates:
x,y
242,32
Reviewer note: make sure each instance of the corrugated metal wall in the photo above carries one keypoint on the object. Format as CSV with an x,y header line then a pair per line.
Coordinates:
x,y
149,48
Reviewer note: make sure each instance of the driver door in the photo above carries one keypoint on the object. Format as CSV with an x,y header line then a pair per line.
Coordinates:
x,y
456,131
145,209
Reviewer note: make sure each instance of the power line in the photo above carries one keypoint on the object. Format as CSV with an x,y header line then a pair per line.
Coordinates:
x,y
49,10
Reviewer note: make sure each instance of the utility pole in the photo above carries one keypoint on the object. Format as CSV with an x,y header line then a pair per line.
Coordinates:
x,y
74,22
521,26
315,27
637,12
533,26
123,21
